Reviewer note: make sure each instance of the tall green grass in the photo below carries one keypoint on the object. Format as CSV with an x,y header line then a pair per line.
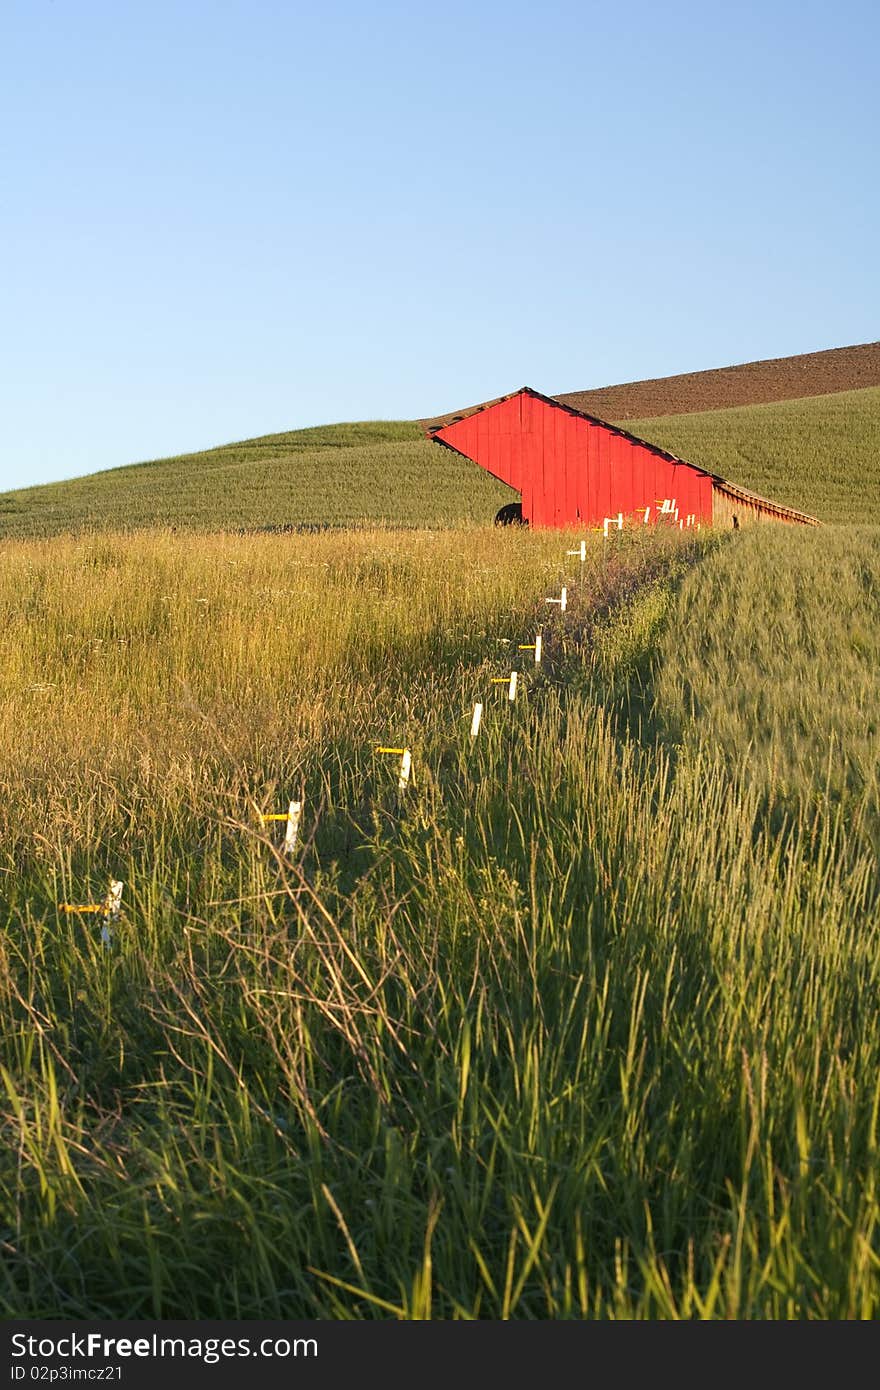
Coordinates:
x,y
776,665
570,1030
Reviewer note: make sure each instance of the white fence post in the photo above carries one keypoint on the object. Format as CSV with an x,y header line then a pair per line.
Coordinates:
x,y
405,754
405,769
294,812
109,909
532,647
509,681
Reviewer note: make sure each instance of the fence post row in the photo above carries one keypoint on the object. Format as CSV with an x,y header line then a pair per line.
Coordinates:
x,y
111,907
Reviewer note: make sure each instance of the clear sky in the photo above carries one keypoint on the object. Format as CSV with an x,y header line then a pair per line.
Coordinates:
x,y
222,218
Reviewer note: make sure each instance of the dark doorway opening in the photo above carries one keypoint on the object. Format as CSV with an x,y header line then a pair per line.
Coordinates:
x,y
511,515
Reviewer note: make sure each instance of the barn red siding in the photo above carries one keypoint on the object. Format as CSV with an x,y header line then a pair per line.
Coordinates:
x,y
569,469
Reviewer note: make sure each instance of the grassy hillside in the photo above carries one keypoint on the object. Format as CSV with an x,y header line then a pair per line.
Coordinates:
x,y
820,454
338,475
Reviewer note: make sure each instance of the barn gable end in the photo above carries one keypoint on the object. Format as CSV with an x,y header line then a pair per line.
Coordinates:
x,y
572,468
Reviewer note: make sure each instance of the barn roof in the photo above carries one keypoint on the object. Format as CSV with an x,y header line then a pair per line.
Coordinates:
x,y
434,426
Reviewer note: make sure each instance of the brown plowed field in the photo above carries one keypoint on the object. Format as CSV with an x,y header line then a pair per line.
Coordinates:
x,y
752,383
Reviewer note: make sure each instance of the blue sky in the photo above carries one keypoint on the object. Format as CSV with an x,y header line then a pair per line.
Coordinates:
x,y
224,219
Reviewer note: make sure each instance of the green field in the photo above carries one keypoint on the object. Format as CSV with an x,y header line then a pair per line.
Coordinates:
x,y
820,454
583,1024
799,625
338,475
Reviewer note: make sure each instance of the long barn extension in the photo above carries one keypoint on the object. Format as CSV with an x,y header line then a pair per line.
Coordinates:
x,y
570,468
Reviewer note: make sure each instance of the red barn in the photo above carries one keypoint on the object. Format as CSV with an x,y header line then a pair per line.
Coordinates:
x,y
573,469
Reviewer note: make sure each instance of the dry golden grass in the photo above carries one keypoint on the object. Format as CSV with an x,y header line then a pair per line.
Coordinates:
x,y
141,671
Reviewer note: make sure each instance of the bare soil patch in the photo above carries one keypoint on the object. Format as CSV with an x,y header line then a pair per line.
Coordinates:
x,y
750,383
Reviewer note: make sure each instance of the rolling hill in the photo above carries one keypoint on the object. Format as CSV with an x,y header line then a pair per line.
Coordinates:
x,y
338,475
817,453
